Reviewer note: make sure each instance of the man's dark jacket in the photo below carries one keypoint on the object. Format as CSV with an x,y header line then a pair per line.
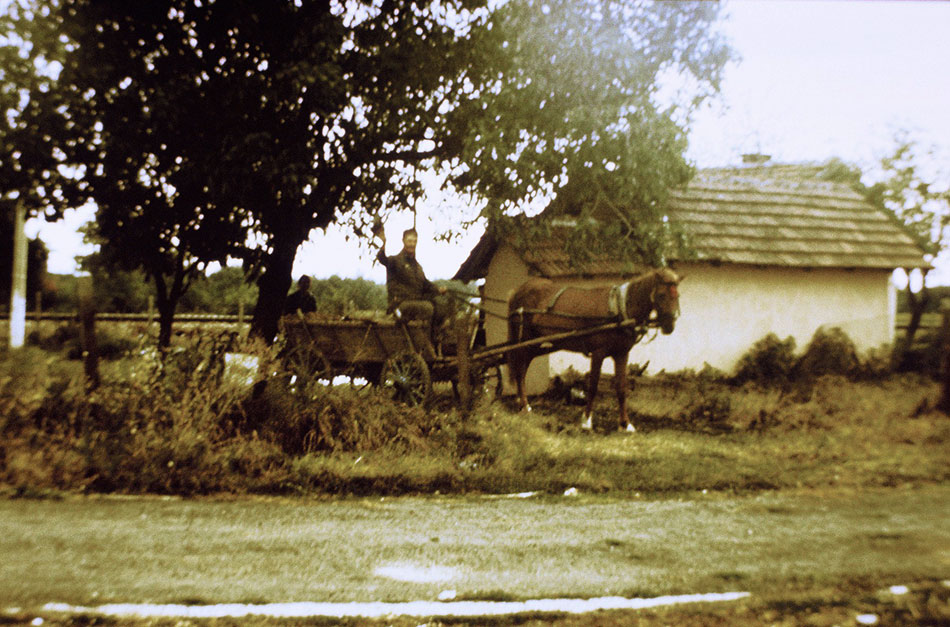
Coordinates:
x,y
405,279
301,300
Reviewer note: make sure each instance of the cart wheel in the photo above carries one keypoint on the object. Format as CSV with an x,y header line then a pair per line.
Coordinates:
x,y
406,377
308,367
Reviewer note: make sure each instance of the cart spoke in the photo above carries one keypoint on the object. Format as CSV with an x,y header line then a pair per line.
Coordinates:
x,y
406,377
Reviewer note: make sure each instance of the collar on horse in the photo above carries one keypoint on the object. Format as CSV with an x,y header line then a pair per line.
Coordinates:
x,y
616,302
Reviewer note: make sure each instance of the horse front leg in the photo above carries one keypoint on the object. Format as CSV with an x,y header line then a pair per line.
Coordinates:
x,y
593,380
620,387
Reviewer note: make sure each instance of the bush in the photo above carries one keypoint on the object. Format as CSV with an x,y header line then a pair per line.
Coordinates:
x,y
770,360
110,343
337,419
830,352
924,357
709,411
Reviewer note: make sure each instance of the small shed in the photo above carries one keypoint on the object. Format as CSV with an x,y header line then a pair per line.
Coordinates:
x,y
777,248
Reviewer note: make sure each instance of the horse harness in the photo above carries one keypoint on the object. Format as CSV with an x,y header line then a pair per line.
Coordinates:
x,y
616,306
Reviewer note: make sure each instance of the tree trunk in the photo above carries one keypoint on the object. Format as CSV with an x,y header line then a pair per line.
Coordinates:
x,y
166,317
273,286
917,303
944,403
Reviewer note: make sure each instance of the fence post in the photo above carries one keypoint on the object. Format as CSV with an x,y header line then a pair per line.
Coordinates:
x,y
18,282
944,404
87,331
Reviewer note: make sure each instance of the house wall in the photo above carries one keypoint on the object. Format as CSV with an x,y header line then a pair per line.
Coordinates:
x,y
724,310
505,273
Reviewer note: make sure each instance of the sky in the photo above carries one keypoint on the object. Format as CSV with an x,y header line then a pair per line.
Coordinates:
x,y
814,80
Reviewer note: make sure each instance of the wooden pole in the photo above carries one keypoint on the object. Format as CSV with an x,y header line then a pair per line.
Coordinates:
x,y
87,331
18,284
462,335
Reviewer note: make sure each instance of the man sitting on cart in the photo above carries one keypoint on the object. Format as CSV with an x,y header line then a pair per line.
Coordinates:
x,y
408,289
301,299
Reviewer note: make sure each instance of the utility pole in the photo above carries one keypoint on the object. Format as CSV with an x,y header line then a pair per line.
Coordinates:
x,y
18,284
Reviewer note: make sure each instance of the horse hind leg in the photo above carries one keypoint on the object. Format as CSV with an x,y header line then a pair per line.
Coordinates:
x,y
518,369
593,380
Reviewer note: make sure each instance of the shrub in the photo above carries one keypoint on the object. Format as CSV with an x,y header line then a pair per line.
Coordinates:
x,y
924,357
338,419
877,363
111,343
709,411
830,352
770,360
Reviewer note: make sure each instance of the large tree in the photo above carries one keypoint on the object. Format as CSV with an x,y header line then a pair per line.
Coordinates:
x,y
236,128
31,165
920,200
916,197
589,102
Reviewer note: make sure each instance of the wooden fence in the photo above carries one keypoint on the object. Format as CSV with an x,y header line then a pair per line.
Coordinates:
x,y
929,322
131,317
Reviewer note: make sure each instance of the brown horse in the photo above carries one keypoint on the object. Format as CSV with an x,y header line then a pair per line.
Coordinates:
x,y
541,307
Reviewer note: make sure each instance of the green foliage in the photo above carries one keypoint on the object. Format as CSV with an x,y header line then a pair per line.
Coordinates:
x,y
223,292
773,362
30,47
507,102
919,199
61,293
830,352
111,342
770,360
336,296
121,291
574,109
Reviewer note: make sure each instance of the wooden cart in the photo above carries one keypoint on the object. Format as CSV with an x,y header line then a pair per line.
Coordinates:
x,y
400,356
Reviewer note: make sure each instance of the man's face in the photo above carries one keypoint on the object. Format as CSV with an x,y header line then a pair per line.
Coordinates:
x,y
409,243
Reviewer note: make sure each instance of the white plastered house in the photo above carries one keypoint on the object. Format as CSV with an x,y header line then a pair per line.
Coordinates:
x,y
777,250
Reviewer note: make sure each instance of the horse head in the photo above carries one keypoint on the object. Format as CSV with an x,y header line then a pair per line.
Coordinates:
x,y
665,298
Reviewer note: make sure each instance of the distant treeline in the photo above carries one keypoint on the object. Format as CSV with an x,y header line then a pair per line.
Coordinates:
x,y
222,292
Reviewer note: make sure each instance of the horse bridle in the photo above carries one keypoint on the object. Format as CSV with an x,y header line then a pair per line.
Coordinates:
x,y
674,293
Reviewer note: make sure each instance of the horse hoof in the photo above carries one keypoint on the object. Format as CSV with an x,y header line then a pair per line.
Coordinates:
x,y
630,428
588,424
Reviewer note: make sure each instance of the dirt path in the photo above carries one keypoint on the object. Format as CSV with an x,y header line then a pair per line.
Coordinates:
x,y
89,551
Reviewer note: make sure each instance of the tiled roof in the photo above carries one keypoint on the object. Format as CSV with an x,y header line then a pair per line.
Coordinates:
x,y
778,215
787,216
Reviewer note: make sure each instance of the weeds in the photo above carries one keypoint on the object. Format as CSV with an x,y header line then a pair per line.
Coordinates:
x,y
194,423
